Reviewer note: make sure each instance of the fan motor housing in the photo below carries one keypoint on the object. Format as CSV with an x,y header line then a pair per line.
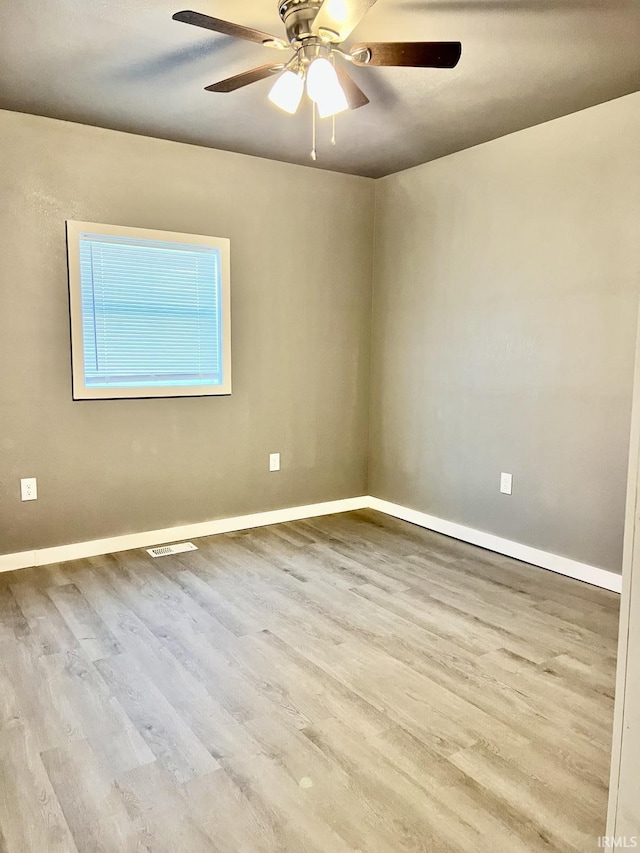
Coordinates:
x,y
298,16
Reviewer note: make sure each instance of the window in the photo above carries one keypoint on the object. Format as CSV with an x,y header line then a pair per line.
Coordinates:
x,y
150,313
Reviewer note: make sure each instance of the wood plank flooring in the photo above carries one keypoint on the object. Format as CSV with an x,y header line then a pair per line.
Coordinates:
x,y
346,683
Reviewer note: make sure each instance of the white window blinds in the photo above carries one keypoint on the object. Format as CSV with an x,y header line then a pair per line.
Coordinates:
x,y
151,313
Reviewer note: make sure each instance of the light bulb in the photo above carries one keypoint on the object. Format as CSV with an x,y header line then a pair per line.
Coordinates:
x,y
286,92
324,88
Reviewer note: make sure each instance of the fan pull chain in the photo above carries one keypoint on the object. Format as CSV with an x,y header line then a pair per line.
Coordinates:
x,y
314,155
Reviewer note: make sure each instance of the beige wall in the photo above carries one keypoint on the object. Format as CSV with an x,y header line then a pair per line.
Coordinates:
x,y
503,332
301,277
505,298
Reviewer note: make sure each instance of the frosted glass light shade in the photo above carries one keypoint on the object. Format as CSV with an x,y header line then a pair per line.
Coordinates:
x,y
286,92
324,88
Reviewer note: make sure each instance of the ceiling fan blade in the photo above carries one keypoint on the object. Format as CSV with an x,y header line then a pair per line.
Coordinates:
x,y
354,94
418,54
336,19
228,29
244,79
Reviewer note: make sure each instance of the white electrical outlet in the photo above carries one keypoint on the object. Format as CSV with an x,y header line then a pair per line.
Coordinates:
x,y
29,489
274,461
506,482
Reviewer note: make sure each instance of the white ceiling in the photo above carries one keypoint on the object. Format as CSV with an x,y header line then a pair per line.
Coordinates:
x,y
124,64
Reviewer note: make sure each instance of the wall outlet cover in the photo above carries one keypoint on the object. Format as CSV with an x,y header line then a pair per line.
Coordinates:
x,y
506,483
274,461
29,489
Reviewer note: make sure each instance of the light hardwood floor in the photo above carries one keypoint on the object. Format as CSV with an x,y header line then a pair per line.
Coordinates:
x,y
345,683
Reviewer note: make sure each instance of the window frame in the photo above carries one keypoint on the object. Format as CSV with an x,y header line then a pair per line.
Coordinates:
x,y
80,391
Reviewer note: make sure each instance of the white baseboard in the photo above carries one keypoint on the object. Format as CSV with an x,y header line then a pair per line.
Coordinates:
x,y
553,562
96,547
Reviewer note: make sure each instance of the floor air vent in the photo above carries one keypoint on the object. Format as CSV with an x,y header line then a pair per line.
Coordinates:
x,y
165,550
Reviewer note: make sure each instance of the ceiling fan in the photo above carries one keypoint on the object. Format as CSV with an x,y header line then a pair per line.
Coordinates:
x,y
315,30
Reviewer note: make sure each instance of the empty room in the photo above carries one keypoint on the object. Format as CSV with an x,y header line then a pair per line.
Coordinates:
x,y
319,426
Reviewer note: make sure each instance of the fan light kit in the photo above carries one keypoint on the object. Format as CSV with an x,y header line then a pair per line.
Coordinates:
x,y
287,91
315,31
